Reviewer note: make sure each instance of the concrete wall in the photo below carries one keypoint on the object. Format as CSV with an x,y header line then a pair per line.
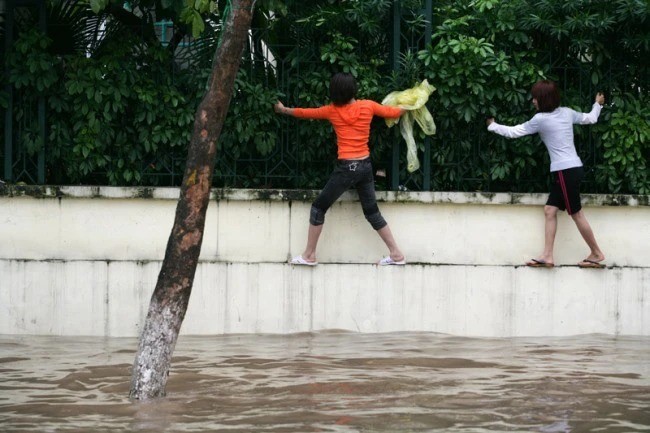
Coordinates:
x,y
84,261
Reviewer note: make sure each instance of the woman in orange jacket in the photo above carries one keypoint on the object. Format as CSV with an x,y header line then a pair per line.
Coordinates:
x,y
351,121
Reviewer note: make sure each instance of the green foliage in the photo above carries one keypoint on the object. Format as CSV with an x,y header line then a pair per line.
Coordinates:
x,y
627,148
31,73
98,5
108,116
481,66
120,108
192,13
35,71
252,127
484,57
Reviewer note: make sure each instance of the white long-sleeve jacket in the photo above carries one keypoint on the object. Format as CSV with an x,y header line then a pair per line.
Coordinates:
x,y
556,131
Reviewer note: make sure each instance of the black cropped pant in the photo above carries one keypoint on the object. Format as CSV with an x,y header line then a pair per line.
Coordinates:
x,y
347,174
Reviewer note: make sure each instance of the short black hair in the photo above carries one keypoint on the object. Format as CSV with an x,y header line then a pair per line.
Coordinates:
x,y
343,87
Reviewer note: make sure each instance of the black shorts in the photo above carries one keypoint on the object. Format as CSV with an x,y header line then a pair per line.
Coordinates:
x,y
565,192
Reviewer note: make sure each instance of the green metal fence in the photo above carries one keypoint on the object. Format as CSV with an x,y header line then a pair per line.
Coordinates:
x,y
281,168
16,160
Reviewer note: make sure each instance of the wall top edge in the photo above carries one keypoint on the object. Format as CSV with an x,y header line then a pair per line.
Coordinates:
x,y
227,194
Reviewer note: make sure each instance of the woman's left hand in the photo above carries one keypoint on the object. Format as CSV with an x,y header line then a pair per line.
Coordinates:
x,y
278,107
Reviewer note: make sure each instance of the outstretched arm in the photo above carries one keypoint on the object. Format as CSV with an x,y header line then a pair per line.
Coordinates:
x,y
517,131
386,111
592,116
304,113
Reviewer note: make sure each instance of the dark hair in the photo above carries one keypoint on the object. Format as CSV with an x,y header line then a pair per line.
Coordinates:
x,y
547,95
343,87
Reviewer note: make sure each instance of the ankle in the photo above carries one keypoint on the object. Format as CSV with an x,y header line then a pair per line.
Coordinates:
x,y
597,255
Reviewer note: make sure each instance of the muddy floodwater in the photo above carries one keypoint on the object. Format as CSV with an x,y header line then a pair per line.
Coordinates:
x,y
332,382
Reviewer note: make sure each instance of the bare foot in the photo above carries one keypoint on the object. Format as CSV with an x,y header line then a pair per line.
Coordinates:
x,y
595,257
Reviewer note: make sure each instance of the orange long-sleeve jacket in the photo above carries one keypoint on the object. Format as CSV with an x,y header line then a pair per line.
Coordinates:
x,y
351,123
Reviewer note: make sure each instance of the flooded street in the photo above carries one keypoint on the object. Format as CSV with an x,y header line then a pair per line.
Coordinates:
x,y
332,382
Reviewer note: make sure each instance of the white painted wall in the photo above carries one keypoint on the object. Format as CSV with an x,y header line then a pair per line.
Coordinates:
x,y
111,298
86,264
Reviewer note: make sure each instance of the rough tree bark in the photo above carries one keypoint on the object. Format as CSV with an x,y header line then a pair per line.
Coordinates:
x,y
172,293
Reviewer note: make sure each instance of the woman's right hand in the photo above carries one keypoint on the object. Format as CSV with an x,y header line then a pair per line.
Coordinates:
x,y
600,98
489,121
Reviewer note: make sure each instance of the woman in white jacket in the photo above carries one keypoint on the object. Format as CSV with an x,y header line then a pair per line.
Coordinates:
x,y
554,124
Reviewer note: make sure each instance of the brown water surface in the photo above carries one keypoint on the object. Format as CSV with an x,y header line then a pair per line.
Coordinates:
x,y
332,382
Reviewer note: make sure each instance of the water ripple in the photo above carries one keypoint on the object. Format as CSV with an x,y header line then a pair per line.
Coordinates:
x,y
333,382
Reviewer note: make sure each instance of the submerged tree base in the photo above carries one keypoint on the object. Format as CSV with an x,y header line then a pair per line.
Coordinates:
x,y
172,293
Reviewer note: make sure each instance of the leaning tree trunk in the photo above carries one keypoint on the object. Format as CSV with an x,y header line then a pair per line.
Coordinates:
x,y
172,293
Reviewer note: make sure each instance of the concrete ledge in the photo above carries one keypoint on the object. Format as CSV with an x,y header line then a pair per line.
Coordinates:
x,y
266,226
101,298
108,192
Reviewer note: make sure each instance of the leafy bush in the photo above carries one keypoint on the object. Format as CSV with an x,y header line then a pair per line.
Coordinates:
x,y
120,111
111,119
627,148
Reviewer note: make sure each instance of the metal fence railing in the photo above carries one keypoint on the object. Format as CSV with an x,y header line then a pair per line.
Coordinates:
x,y
18,162
464,158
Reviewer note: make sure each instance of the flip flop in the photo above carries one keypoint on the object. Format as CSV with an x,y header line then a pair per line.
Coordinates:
x,y
298,260
387,261
537,263
588,263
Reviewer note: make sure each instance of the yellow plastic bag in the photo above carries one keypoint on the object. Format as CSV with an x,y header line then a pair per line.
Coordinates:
x,y
412,100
